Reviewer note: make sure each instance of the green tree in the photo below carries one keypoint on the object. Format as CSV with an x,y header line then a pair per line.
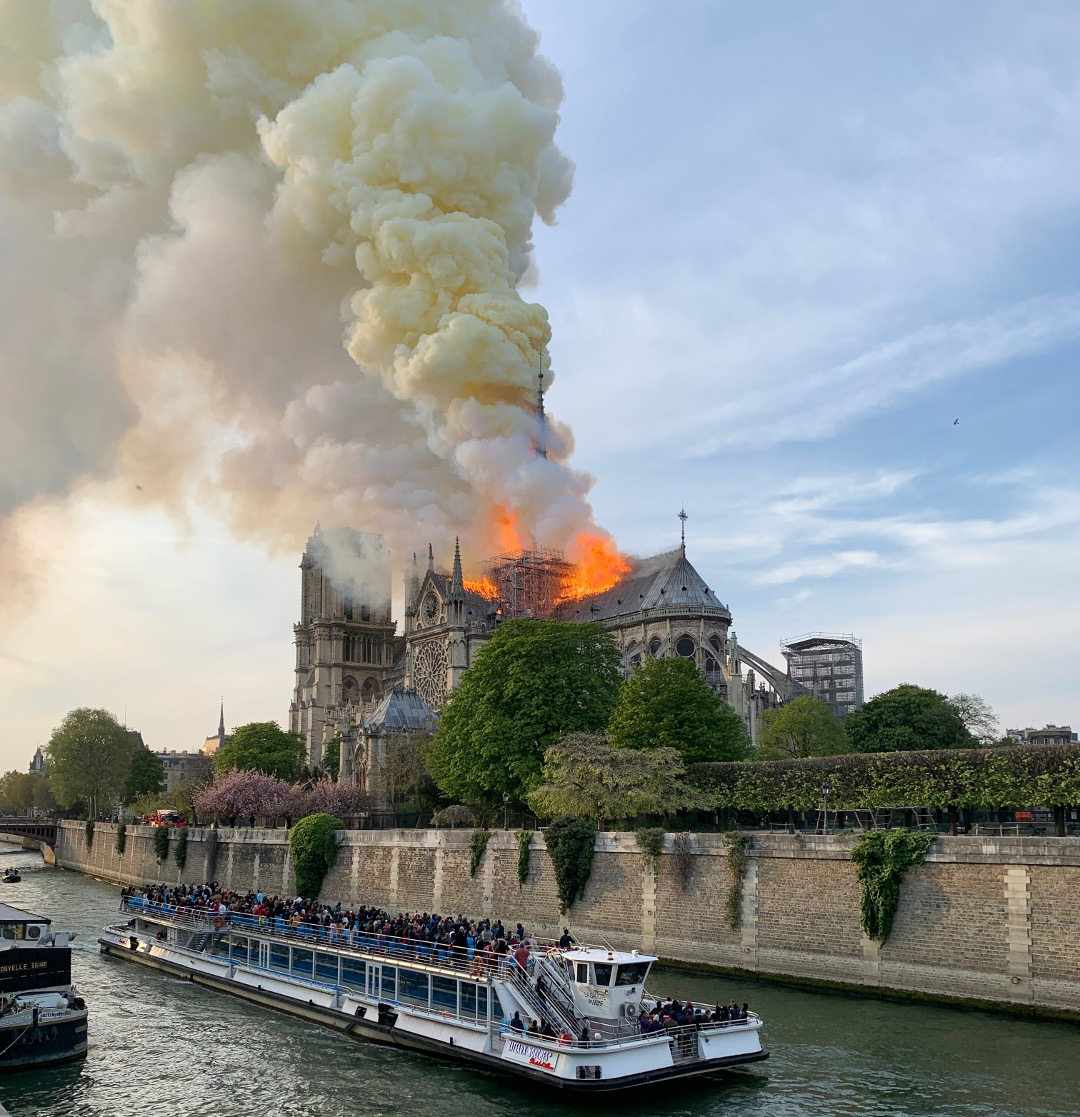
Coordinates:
x,y
146,776
667,703
800,728
262,746
19,791
331,759
529,686
586,777
904,718
89,756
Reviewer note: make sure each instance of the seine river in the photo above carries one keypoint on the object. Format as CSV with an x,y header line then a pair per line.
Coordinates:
x,y
159,1046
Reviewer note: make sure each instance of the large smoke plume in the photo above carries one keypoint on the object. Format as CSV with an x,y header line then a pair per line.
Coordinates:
x,y
266,253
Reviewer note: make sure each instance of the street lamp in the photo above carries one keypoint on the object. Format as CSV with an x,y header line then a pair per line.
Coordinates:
x,y
825,796
506,810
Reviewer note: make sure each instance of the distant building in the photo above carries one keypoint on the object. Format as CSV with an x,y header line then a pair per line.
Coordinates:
x,y
830,667
136,738
212,744
184,767
1048,735
38,763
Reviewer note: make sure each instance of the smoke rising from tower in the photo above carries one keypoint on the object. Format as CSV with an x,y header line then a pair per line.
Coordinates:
x,y
266,254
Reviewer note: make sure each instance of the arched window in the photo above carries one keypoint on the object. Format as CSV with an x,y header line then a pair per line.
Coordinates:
x,y
654,645
685,647
715,641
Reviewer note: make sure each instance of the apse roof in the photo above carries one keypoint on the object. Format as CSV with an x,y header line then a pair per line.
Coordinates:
x,y
661,582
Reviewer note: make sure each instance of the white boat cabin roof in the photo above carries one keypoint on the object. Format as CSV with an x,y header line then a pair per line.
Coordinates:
x,y
600,954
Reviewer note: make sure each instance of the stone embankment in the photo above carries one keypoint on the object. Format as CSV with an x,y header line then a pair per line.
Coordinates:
x,y
984,921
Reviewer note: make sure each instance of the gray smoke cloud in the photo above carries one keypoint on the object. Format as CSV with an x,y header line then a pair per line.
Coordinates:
x,y
265,254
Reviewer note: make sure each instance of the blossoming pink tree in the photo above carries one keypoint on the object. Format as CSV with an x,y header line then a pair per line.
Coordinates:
x,y
249,794
328,797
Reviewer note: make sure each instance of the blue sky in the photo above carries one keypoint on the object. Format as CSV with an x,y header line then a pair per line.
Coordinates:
x,y
803,240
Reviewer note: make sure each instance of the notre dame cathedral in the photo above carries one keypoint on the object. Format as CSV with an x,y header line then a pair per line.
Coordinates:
x,y
351,661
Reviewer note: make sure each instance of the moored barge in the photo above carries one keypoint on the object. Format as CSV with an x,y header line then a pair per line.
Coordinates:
x,y
440,1001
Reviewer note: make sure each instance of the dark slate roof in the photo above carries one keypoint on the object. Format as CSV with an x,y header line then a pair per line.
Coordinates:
x,y
399,710
8,914
654,583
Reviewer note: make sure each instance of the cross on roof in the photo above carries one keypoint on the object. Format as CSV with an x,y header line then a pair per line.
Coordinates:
x,y
684,517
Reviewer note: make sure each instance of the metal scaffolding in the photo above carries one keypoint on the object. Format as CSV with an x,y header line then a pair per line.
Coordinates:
x,y
529,583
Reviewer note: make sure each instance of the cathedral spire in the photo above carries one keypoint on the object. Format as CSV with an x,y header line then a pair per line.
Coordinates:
x,y
457,580
541,420
430,559
221,725
412,585
683,517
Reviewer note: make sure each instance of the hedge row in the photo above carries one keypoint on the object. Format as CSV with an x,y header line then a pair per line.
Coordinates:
x,y
1016,776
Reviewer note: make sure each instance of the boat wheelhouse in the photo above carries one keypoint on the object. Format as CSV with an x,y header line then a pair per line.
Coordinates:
x,y
439,999
42,1017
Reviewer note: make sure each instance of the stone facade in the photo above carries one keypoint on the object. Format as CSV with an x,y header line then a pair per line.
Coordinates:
x,y
986,921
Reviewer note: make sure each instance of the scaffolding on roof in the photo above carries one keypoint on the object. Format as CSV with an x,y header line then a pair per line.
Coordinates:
x,y
528,583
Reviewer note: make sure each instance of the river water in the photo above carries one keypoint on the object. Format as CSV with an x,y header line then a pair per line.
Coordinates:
x,y
163,1046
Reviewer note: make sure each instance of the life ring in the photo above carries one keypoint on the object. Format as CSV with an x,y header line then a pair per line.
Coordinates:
x,y
219,922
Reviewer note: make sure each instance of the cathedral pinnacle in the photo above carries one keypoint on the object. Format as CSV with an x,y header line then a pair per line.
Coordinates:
x,y
541,421
457,580
683,517
430,558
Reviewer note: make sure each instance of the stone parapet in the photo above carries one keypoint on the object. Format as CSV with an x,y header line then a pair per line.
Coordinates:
x,y
989,921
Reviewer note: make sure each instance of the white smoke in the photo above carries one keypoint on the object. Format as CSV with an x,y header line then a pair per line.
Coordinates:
x,y
265,253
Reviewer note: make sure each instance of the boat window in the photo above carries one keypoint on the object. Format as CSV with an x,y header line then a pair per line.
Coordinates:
x,y
632,974
468,999
279,957
13,930
444,994
583,973
413,987
353,972
389,983
302,961
239,951
481,1003
496,1005
326,967
603,973
220,945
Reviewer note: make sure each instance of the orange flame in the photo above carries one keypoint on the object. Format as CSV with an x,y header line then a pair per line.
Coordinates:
x,y
598,567
483,586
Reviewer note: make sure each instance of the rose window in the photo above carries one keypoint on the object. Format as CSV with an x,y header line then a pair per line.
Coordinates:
x,y
430,673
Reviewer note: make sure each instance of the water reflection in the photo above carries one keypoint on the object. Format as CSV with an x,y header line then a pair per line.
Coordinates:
x,y
159,1045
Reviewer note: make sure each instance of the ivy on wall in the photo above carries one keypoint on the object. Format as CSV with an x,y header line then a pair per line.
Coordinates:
x,y
524,841
313,845
650,840
180,849
161,842
477,844
1016,776
121,838
738,848
89,829
571,843
882,857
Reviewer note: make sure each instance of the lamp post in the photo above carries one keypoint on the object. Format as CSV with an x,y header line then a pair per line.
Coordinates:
x,y
506,810
825,796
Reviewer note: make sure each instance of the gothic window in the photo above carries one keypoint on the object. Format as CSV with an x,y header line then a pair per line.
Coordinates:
x,y
430,609
349,602
369,688
350,692
654,645
365,612
715,641
368,655
429,673
685,647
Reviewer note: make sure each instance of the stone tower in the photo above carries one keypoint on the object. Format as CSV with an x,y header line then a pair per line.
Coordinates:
x,y
345,638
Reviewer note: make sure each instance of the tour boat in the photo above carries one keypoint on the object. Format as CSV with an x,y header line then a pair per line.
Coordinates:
x,y
438,1001
11,876
42,1017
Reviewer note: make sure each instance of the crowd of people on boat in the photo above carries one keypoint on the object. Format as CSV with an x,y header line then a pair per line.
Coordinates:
x,y
481,945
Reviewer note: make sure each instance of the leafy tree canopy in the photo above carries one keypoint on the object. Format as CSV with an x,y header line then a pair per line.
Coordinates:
x,y
88,757
803,727
979,718
904,718
146,776
19,791
667,703
261,746
331,760
586,777
530,685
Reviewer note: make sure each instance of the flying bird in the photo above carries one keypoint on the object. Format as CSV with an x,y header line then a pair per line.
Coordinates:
x,y
956,422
